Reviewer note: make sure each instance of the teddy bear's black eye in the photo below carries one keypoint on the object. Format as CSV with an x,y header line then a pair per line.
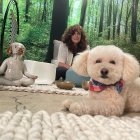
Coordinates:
x,y
98,61
112,62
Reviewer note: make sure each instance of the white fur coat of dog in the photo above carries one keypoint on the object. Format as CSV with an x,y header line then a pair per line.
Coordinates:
x,y
107,65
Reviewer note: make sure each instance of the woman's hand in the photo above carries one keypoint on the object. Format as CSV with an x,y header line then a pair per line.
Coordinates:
x,y
60,64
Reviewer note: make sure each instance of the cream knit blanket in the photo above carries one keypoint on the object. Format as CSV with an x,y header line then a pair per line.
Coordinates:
x,y
50,89
25,125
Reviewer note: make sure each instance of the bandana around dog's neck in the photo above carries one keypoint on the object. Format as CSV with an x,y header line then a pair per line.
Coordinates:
x,y
98,87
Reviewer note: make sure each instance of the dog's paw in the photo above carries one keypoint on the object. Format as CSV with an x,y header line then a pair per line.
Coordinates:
x,y
66,104
76,108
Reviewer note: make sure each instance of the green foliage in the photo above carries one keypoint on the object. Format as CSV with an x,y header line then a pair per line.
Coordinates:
x,y
1,20
75,11
128,46
35,38
35,53
37,35
120,42
35,32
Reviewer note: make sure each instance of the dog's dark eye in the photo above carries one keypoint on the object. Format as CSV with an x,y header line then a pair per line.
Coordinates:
x,y
112,62
98,61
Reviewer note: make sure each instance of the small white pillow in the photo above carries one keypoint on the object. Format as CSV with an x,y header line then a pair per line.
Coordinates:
x,y
56,48
55,52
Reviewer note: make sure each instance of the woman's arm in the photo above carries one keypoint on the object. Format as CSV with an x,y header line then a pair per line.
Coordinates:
x,y
3,66
63,56
61,64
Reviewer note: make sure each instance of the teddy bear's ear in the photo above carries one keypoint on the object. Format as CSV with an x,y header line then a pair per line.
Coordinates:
x,y
131,68
80,63
9,50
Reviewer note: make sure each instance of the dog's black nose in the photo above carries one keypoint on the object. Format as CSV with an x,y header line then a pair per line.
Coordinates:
x,y
104,71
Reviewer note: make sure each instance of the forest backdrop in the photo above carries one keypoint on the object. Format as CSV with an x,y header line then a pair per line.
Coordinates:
x,y
104,21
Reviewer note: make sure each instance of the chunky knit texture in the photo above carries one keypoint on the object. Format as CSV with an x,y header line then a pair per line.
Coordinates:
x,y
25,125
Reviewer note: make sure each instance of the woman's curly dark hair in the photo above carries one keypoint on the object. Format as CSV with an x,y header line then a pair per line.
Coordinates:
x,y
66,38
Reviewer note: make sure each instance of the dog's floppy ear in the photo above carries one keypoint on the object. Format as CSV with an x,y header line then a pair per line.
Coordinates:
x,y
131,68
80,63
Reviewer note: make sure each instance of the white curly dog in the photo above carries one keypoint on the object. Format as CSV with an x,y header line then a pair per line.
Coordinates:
x,y
13,71
114,86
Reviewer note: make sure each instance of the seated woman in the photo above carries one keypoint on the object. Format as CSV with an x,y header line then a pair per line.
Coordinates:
x,y
73,42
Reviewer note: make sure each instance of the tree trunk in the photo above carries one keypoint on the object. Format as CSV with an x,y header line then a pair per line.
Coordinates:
x,y
71,8
134,21
119,20
44,14
27,10
1,48
89,19
83,12
115,11
49,11
109,19
39,11
128,11
96,19
1,6
59,24
101,19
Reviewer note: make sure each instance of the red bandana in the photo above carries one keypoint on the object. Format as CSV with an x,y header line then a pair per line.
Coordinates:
x,y
97,86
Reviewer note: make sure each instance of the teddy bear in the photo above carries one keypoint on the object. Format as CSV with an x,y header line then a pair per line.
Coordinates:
x,y
13,71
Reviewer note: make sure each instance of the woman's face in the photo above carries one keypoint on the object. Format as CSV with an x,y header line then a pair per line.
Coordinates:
x,y
76,37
